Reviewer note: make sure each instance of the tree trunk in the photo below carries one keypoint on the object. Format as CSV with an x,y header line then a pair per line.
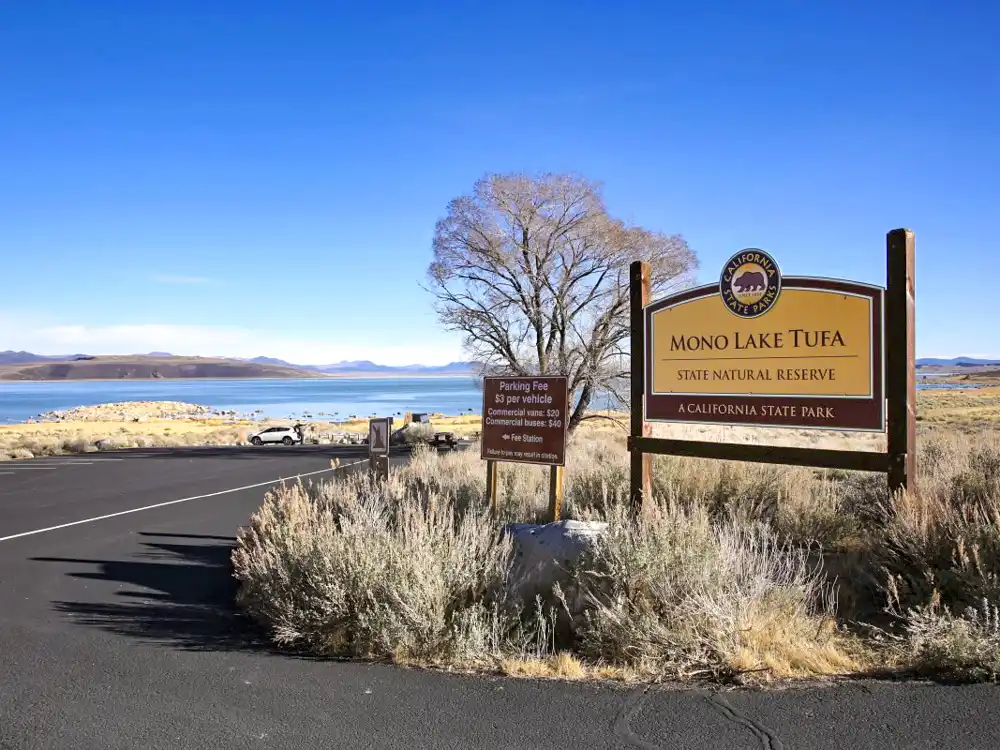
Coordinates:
x,y
582,404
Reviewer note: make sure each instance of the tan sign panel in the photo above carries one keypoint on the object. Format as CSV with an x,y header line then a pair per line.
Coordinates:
x,y
525,420
760,350
378,436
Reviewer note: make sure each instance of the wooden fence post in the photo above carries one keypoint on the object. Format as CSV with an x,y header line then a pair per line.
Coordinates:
x,y
491,486
900,376
555,493
640,465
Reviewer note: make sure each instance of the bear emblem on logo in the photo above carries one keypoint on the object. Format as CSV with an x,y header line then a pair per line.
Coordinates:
x,y
750,283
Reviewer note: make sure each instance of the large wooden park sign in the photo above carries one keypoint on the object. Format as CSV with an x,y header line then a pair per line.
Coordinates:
x,y
761,349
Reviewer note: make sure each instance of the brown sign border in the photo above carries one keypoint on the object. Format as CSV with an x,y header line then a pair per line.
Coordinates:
x,y
565,430
854,413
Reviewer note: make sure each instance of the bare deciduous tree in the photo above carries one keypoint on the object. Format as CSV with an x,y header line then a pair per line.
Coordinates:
x,y
534,273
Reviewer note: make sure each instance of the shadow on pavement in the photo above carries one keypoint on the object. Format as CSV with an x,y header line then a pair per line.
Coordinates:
x,y
254,452
188,536
177,594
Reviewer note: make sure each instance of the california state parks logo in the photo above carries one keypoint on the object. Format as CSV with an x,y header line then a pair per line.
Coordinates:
x,y
750,283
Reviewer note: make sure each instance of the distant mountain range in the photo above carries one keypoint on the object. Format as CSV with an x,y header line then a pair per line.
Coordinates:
x,y
365,367
10,357
359,367
145,367
956,362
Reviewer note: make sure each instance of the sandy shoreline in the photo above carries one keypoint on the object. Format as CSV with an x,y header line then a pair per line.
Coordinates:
x,y
144,424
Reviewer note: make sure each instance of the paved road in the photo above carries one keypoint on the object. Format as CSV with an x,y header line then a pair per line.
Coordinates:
x,y
119,633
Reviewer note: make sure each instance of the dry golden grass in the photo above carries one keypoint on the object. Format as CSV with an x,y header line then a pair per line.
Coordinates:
x,y
562,665
463,424
88,429
22,441
969,407
776,647
114,426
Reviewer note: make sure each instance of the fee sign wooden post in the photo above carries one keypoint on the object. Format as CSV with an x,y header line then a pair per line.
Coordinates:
x,y
525,420
765,350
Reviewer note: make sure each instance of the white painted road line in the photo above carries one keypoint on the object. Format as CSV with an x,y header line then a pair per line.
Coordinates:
x,y
172,502
70,459
50,465
64,460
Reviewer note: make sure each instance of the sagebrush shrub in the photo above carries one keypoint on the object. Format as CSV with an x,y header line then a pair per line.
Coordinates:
x,y
719,576
965,646
678,593
376,574
864,496
980,481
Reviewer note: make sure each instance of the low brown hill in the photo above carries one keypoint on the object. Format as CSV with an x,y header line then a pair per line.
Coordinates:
x,y
988,374
143,368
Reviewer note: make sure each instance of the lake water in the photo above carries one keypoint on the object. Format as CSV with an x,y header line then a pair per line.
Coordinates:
x,y
335,398
949,386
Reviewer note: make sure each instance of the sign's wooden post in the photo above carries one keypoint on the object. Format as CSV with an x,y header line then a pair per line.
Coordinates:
x,y
380,466
640,472
491,486
555,493
901,386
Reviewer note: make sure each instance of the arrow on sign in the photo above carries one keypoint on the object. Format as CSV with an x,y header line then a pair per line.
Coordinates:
x,y
505,437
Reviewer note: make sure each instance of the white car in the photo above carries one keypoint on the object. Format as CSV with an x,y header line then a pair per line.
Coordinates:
x,y
284,435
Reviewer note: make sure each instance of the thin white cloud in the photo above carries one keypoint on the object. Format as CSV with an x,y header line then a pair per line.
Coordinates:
x,y
19,333
172,279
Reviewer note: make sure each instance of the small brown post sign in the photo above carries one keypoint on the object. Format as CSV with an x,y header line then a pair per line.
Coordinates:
x,y
525,420
379,430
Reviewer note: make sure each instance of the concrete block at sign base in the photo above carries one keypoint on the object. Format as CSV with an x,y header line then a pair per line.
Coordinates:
x,y
544,554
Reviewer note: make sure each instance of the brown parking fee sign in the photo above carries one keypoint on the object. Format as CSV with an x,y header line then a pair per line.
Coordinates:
x,y
525,420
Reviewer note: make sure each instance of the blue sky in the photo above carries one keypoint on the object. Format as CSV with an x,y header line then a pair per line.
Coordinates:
x,y
263,178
